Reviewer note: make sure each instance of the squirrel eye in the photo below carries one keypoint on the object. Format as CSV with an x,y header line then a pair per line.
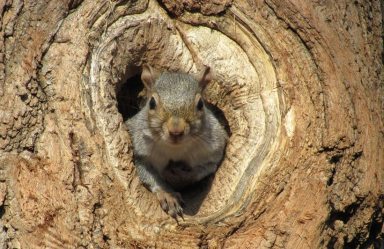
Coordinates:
x,y
200,104
152,103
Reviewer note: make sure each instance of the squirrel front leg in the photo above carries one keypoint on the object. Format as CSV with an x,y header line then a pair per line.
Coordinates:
x,y
170,201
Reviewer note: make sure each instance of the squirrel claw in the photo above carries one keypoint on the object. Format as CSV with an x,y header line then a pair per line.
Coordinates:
x,y
180,213
170,203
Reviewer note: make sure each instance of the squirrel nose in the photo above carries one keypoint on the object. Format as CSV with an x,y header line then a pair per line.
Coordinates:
x,y
176,127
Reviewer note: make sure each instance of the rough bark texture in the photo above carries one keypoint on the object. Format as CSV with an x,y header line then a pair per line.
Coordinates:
x,y
299,82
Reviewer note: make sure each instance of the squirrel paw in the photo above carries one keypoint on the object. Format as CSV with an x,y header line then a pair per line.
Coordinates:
x,y
171,203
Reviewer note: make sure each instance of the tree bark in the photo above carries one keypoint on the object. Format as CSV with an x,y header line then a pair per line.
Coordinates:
x,y
300,84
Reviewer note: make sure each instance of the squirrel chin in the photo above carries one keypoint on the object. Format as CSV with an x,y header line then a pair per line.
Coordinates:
x,y
175,143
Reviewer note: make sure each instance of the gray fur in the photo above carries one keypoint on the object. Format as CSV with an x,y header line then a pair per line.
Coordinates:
x,y
177,90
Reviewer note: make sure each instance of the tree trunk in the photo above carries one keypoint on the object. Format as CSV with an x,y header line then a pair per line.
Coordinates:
x,y
300,84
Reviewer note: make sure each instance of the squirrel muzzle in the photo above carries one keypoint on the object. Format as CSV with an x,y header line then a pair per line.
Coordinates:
x,y
177,128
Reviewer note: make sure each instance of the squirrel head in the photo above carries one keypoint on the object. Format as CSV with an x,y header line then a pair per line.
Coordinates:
x,y
175,104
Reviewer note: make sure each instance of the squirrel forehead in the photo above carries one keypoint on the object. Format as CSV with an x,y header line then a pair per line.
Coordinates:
x,y
176,89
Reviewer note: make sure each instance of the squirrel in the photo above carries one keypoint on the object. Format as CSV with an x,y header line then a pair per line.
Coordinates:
x,y
176,139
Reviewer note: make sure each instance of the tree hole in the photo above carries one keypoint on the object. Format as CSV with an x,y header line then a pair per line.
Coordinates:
x,y
219,114
129,97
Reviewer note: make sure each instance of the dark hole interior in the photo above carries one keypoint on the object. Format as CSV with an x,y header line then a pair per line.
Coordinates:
x,y
129,99
219,114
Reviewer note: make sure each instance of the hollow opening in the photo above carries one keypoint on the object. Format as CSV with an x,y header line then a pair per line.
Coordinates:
x,y
219,114
130,95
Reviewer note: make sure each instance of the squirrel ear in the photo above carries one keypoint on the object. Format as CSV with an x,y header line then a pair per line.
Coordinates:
x,y
206,78
148,76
